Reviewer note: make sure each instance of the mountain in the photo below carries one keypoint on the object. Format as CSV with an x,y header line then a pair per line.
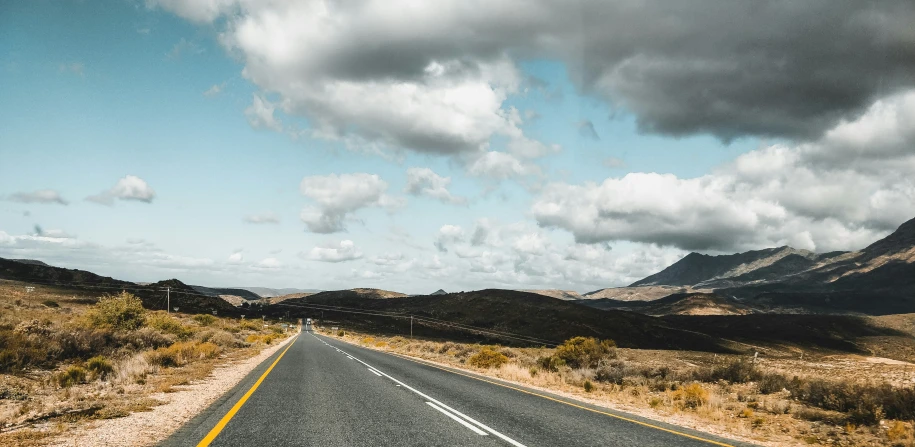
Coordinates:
x,y
223,291
877,280
569,295
31,261
154,295
439,292
635,293
267,292
676,304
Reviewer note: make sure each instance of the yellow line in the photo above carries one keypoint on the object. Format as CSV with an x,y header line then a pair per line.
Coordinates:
x,y
644,424
228,417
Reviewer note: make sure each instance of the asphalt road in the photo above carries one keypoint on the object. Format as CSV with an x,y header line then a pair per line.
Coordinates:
x,y
323,392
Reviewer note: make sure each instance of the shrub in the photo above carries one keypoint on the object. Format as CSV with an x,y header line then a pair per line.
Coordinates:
x,y
71,376
588,386
738,371
654,402
249,325
182,353
772,383
80,343
551,363
340,333
691,396
122,311
50,303
99,367
169,325
220,338
367,340
898,431
18,352
585,352
204,319
532,371
487,358
146,338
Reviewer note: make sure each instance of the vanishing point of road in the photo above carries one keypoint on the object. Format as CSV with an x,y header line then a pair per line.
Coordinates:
x,y
318,391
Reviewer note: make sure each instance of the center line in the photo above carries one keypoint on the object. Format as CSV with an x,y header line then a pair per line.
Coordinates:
x,y
459,420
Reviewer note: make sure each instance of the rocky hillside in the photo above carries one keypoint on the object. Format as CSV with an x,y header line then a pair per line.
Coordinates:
x,y
568,295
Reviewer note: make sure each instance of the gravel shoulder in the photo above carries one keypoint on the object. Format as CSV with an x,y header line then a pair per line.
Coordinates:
x,y
148,428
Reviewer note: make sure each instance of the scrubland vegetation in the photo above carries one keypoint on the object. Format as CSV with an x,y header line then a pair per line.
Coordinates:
x,y
771,401
66,359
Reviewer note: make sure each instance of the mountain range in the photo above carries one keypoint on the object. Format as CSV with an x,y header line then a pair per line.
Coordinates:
x,y
877,280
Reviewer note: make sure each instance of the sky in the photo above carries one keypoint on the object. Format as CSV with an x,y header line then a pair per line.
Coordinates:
x,y
413,146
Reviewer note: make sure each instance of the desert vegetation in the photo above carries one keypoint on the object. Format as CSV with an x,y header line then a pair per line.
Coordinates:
x,y
66,359
770,401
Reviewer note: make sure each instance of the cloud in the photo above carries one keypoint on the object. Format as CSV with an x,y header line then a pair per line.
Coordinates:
x,y
613,162
265,218
501,166
425,182
215,90
260,114
268,264
839,192
48,196
236,258
344,251
448,234
435,77
130,187
338,196
183,47
586,130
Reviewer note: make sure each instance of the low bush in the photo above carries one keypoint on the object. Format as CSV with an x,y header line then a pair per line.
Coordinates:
x,y
487,358
588,386
122,311
50,303
264,338
204,319
585,352
19,352
168,325
71,376
182,353
738,371
551,363
99,367
691,396
772,383
220,338
146,338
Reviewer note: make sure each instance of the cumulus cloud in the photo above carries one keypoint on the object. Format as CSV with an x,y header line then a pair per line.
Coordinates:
x,y
839,192
236,258
344,251
501,166
448,234
338,196
265,218
260,114
40,196
131,188
437,74
425,182
268,264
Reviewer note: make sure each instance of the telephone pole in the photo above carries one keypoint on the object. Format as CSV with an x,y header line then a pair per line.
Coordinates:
x,y
411,326
168,300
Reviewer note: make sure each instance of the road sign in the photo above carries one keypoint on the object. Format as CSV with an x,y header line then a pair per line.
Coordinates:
x,y
334,328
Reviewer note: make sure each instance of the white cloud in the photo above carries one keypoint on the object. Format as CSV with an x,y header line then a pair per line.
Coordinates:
x,y
448,234
839,192
344,251
215,90
268,264
500,166
265,218
40,196
338,196
130,188
260,114
236,258
424,181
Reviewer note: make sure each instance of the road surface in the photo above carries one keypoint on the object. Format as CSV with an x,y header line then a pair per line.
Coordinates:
x,y
319,391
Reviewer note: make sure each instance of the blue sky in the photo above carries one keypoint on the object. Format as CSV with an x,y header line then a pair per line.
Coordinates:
x,y
168,93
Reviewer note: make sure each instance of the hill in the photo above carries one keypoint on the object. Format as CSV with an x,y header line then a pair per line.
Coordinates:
x,y
267,292
676,304
636,293
877,280
153,295
520,313
221,291
569,295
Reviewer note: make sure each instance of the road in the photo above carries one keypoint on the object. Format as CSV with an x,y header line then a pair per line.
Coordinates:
x,y
319,391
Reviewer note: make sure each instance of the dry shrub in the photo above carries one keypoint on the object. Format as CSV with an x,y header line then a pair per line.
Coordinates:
x,y
146,338
204,319
122,311
368,340
588,386
262,338
381,344
71,376
168,325
585,352
182,353
691,396
249,325
738,371
220,338
487,358
898,432
19,352
99,367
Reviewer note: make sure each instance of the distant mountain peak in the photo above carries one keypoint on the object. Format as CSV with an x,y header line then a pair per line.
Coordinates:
x,y
439,292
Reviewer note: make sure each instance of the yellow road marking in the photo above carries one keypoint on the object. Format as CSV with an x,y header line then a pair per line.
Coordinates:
x,y
644,424
228,417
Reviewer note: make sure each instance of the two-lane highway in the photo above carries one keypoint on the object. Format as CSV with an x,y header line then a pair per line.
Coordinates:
x,y
318,391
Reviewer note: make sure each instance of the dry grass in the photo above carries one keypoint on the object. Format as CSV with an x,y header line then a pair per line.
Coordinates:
x,y
773,402
76,360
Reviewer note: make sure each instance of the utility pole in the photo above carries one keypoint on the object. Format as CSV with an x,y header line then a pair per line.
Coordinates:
x,y
168,298
411,326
